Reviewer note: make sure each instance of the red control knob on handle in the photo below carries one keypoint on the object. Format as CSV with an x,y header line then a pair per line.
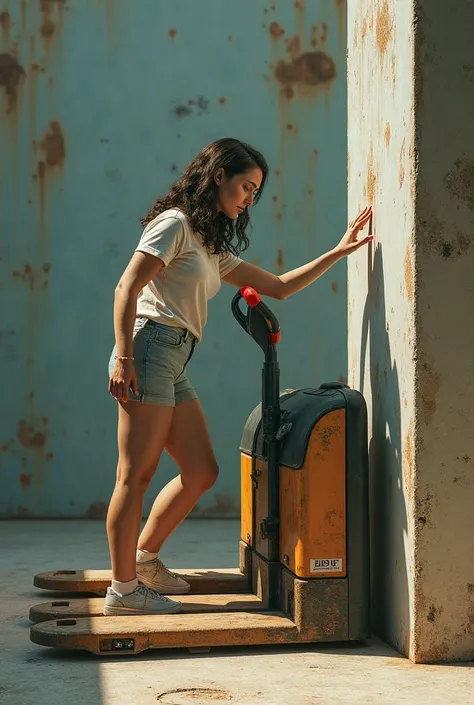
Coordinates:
x,y
250,295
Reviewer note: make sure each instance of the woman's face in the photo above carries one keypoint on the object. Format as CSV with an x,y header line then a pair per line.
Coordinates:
x,y
237,192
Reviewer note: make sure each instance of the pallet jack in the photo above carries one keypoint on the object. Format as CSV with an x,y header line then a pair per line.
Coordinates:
x,y
304,548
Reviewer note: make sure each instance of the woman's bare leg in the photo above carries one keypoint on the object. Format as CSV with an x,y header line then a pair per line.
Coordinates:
x,y
190,446
142,432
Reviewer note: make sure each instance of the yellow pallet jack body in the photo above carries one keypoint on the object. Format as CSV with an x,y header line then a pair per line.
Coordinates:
x,y
304,559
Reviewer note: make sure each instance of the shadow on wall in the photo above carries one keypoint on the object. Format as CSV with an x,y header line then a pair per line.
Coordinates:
x,y
388,512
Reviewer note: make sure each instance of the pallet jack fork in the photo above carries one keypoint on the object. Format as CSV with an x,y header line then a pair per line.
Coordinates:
x,y
304,561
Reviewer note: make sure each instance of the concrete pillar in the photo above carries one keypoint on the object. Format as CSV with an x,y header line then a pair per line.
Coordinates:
x,y
411,323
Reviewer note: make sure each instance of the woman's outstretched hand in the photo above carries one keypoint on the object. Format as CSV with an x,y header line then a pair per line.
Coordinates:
x,y
349,242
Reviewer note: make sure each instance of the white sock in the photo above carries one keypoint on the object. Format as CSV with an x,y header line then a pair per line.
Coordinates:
x,y
145,556
124,588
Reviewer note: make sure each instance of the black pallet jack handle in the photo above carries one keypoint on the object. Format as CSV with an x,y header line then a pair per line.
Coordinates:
x,y
262,325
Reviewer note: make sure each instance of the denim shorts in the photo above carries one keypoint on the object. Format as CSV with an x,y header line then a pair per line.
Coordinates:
x,y
161,354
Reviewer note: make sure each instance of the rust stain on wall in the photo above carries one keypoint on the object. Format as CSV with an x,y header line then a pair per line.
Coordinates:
x,y
293,45
54,154
308,69
27,275
12,75
394,73
53,145
25,480
300,17
223,506
29,437
171,33
280,261
409,274
5,24
371,177
401,166
341,10
23,15
335,287
383,28
276,30
97,510
409,468
324,33
387,134
49,26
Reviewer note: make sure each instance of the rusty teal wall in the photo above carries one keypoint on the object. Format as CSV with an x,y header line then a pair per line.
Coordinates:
x,y
102,104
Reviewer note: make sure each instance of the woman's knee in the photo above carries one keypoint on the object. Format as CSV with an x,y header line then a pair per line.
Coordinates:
x,y
203,478
134,476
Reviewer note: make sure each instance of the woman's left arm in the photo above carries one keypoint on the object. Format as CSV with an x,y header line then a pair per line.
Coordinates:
x,y
283,285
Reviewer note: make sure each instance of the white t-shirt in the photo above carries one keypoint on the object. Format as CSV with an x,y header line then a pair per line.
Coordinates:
x,y
191,276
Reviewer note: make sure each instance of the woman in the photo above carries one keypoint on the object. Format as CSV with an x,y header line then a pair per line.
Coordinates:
x,y
190,243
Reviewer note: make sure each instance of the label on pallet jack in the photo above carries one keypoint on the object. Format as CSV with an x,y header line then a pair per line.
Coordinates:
x,y
326,565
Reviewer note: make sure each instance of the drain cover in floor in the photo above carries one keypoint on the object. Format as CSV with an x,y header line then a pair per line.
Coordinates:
x,y
198,696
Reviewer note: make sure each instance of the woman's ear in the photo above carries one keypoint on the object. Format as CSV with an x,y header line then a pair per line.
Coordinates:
x,y
218,176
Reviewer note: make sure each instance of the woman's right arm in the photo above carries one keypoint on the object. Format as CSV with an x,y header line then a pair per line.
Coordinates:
x,y
141,269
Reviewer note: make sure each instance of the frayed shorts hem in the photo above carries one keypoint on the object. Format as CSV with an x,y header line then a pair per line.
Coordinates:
x,y
157,400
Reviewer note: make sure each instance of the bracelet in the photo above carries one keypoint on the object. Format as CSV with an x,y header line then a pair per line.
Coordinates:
x,y
123,357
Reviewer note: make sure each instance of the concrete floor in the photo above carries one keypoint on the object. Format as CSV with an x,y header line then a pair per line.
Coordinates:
x,y
327,675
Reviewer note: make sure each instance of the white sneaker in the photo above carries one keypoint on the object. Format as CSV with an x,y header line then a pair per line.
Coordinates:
x,y
141,601
155,575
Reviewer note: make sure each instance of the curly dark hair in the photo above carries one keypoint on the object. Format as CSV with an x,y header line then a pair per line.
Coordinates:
x,y
195,193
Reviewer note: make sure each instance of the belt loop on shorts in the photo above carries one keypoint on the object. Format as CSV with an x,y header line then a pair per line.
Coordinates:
x,y
185,335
